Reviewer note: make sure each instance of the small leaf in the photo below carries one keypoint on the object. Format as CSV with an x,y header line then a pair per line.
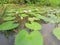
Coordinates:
x,y
32,19
11,10
20,10
23,38
10,14
8,25
33,26
9,18
56,32
23,15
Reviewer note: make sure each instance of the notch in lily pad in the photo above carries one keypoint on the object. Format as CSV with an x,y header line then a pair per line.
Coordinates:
x,y
8,25
33,26
24,38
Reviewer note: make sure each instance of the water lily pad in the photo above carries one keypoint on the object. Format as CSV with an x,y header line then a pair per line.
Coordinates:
x,y
11,10
56,32
10,14
33,26
9,18
23,15
32,19
23,38
8,25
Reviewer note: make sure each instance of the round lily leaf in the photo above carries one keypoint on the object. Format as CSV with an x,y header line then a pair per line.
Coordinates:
x,y
38,16
23,38
33,26
56,32
9,18
20,10
32,19
11,10
10,14
8,25
23,15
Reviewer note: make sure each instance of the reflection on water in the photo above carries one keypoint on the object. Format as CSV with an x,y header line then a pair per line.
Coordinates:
x,y
49,38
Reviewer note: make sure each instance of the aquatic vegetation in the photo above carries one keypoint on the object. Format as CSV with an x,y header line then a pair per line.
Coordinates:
x,y
33,26
29,18
56,32
8,25
24,38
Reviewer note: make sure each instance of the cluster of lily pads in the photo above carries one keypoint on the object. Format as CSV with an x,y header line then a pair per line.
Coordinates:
x,y
13,17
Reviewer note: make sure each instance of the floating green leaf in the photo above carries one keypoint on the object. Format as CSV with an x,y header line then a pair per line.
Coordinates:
x,y
32,19
10,14
8,25
23,15
23,38
20,10
11,10
56,32
33,26
9,18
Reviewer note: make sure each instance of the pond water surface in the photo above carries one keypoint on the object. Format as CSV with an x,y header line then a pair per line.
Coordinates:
x,y
49,38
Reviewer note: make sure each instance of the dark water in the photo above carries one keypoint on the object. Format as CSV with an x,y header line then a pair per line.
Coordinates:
x,y
49,38
3,40
6,41
11,40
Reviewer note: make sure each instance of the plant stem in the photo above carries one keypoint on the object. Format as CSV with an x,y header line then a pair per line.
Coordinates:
x,y
56,25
